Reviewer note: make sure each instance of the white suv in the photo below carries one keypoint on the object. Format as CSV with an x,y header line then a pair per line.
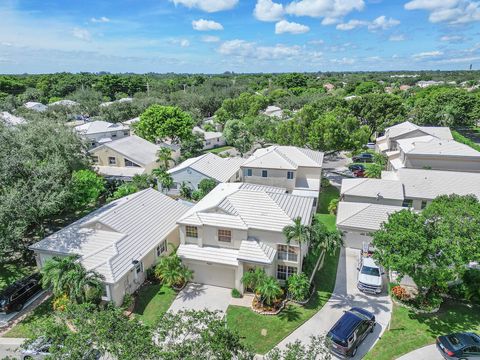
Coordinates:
x,y
369,276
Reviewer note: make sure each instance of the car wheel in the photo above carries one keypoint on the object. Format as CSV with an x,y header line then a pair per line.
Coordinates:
x,y
27,357
19,307
372,328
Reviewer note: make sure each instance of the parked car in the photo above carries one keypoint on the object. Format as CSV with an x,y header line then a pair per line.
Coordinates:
x,y
40,349
355,167
371,145
459,346
369,276
359,173
363,158
350,330
14,297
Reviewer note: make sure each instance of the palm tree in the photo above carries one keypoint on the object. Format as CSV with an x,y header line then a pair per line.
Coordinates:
x,y
86,285
185,190
253,278
55,273
172,272
323,238
297,232
164,157
163,178
269,290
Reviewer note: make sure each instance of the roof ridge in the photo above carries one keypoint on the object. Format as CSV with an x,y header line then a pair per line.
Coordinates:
x,y
284,156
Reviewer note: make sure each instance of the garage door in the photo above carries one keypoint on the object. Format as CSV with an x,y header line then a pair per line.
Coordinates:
x,y
216,275
353,239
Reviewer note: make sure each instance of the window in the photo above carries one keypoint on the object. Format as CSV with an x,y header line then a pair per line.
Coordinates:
x,y
93,143
288,252
112,160
424,204
162,248
106,292
138,268
264,173
224,235
125,133
207,143
407,203
114,135
192,231
289,175
284,272
95,159
130,163
249,172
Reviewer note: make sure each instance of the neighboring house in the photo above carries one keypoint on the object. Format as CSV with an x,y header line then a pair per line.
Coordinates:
x,y
11,120
35,106
238,227
374,191
131,121
405,130
357,221
208,166
123,100
429,152
296,169
125,158
211,121
121,240
100,132
273,111
424,84
67,103
405,87
211,139
328,86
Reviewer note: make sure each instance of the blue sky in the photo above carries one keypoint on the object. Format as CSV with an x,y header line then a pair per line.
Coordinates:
x,y
214,36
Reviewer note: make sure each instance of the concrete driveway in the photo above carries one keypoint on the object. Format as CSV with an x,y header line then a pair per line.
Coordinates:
x,y
345,296
5,319
201,297
428,352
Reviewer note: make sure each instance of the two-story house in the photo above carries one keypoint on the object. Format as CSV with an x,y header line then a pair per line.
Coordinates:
x,y
127,157
100,132
121,240
296,169
238,227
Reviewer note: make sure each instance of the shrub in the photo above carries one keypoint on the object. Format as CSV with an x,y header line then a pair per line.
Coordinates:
x,y
325,182
299,286
252,279
127,301
172,272
400,293
197,195
60,303
468,289
236,294
269,290
332,206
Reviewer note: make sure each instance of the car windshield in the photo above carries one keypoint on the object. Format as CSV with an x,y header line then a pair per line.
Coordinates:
x,y
337,340
367,270
455,341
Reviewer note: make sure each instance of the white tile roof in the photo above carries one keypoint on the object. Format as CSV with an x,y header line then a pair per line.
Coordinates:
x,y
217,255
96,127
258,187
255,209
363,216
108,103
428,184
373,188
131,121
284,157
36,106
10,119
133,147
211,165
274,111
407,127
110,238
207,135
64,103
429,145
252,250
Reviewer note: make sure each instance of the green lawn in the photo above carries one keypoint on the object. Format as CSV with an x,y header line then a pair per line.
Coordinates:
x,y
327,194
152,302
410,331
250,325
219,149
12,271
328,219
24,328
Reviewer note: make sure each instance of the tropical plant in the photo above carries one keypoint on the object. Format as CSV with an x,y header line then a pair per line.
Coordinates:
x,y
333,206
253,278
185,190
236,294
207,185
324,239
172,272
297,232
123,190
164,179
299,286
269,290
164,157
373,171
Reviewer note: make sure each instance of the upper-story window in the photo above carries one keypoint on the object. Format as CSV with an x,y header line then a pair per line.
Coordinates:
x,y
162,248
249,172
224,235
191,231
288,252
125,133
284,272
112,160
130,163
95,159
424,204
264,173
289,175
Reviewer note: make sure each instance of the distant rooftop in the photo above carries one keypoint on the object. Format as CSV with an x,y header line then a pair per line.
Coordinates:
x,y
96,127
284,157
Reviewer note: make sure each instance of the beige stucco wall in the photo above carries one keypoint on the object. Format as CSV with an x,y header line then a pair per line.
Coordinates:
x,y
275,177
442,163
104,153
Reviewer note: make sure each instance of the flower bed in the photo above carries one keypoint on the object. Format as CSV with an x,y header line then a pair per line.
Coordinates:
x,y
275,309
401,296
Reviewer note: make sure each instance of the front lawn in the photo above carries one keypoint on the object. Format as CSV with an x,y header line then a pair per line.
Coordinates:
x,y
328,220
24,328
152,302
218,150
327,194
263,332
410,331
13,271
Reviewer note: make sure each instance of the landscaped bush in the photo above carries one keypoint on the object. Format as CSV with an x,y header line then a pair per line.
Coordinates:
x,y
251,279
60,303
325,182
400,293
236,294
333,205
299,287
127,301
269,291
172,272
469,288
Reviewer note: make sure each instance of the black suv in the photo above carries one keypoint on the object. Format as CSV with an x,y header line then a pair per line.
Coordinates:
x,y
363,158
14,297
350,330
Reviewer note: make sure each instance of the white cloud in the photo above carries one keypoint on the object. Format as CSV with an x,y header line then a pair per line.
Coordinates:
x,y
82,34
427,55
397,37
208,5
244,49
449,11
316,42
181,42
102,19
267,10
206,25
459,60
343,61
284,26
210,39
380,23
331,10
452,38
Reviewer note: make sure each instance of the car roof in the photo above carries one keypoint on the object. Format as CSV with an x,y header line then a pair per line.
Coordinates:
x,y
468,338
349,321
16,285
368,261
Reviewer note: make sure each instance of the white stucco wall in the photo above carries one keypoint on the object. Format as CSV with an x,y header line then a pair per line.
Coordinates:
x,y
370,200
